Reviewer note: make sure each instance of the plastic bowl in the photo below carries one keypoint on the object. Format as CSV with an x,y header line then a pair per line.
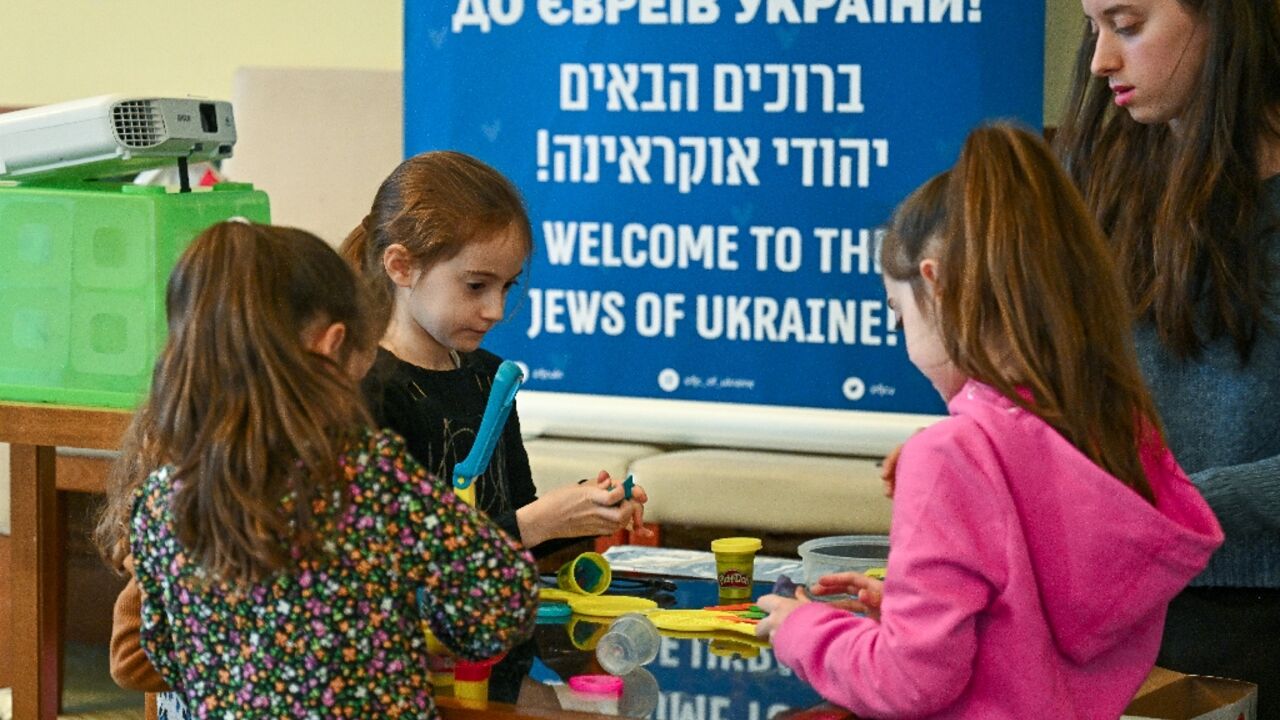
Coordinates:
x,y
840,553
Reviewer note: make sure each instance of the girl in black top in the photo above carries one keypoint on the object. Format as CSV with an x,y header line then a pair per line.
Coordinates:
x,y
445,241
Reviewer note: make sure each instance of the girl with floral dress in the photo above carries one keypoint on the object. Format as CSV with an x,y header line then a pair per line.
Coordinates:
x,y
278,540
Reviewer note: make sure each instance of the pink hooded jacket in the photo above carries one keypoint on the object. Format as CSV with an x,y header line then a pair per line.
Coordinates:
x,y
1023,580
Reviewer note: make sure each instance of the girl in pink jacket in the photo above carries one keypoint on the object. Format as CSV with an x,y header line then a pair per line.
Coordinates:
x,y
1040,531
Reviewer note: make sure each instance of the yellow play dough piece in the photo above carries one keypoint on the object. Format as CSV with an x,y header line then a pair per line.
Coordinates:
x,y
730,648
685,620
743,638
597,605
557,595
609,605
698,621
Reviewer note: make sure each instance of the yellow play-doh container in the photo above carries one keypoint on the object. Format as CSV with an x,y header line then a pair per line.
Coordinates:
x,y
735,566
471,684
588,573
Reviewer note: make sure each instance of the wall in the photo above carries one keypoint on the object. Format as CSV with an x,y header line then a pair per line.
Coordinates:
x,y
130,47
1063,24
62,50
55,51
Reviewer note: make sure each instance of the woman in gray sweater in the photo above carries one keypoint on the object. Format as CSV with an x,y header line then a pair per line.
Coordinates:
x,y
1173,136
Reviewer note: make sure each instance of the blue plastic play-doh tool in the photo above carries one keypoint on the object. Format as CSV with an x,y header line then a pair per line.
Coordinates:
x,y
506,383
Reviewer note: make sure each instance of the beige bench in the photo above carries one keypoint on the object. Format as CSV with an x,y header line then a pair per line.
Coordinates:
x,y
559,461
765,491
693,492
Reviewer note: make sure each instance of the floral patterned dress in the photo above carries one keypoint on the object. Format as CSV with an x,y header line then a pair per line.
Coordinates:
x,y
340,636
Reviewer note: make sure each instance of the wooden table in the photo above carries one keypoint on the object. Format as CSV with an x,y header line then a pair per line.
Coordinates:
x,y
34,432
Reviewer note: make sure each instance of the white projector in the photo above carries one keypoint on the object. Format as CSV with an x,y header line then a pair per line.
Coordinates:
x,y
112,135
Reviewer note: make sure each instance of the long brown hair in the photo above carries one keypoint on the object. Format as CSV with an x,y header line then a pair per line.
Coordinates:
x,y
433,204
1183,211
1029,299
249,418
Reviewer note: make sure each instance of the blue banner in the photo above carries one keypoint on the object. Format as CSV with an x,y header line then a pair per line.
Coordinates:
x,y
706,177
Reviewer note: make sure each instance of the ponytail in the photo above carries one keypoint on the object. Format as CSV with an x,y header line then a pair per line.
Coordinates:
x,y
355,248
364,256
1030,300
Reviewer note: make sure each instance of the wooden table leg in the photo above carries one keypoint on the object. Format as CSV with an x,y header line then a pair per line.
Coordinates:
x,y
35,582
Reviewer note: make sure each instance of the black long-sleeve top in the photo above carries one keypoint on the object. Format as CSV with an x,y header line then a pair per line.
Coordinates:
x,y
439,412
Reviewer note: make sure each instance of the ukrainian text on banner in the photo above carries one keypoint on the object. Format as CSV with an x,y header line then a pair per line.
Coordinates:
x,y
706,177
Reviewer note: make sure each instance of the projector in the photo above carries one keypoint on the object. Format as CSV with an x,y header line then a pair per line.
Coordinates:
x,y
112,135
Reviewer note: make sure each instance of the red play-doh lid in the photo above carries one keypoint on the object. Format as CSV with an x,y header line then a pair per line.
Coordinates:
x,y
474,669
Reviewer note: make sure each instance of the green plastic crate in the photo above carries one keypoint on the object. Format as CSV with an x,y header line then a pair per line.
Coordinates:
x,y
82,281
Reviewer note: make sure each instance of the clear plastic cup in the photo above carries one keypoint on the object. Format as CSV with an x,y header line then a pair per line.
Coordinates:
x,y
639,694
631,641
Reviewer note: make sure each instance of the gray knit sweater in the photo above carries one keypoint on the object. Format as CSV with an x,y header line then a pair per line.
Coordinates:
x,y
1222,420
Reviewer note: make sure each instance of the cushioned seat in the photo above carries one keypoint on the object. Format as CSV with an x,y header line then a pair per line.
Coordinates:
x,y
557,462
764,491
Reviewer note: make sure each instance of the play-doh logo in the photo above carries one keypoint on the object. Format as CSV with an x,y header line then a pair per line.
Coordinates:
x,y
733,578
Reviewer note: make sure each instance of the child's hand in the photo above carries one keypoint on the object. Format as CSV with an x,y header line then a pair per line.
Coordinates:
x,y
638,498
868,591
889,469
574,510
598,510
587,508
778,608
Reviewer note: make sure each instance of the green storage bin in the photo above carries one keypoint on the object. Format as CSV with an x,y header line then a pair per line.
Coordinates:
x,y
82,281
